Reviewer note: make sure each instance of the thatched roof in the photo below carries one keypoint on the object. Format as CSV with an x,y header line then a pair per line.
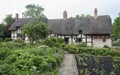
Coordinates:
x,y
88,25
71,26
23,21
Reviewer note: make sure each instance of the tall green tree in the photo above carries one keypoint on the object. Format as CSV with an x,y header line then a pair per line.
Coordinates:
x,y
36,31
9,19
116,28
32,11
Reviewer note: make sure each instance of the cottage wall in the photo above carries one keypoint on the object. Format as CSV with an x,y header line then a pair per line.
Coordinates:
x,y
100,43
14,35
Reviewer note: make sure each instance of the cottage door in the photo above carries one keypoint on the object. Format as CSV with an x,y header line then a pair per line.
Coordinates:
x,y
66,40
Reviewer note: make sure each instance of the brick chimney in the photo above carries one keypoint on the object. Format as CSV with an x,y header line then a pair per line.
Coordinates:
x,y
95,12
17,17
65,15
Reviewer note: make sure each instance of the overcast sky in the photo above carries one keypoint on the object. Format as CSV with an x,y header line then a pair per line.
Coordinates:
x,y
54,8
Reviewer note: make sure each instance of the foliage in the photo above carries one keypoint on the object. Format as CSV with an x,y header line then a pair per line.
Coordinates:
x,y
116,28
4,52
97,65
82,16
36,31
2,26
81,44
75,49
19,41
33,11
1,39
53,42
9,19
116,43
14,45
8,39
106,46
71,48
32,61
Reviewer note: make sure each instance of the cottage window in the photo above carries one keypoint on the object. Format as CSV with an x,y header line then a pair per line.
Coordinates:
x,y
80,31
78,40
18,35
66,40
104,40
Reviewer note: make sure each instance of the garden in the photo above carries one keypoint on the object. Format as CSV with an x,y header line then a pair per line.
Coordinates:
x,y
19,58
44,58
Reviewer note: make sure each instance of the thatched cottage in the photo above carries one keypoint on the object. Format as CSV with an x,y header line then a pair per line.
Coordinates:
x,y
94,30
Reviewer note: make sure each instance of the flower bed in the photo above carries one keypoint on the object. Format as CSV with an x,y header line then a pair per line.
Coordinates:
x,y
98,65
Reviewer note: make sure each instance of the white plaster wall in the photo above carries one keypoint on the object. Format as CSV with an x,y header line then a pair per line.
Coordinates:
x,y
99,43
19,31
14,35
80,35
71,40
88,39
83,40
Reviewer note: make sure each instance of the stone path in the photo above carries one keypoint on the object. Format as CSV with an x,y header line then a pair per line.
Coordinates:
x,y
68,66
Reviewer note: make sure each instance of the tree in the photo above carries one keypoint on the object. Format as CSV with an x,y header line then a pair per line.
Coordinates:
x,y
116,28
9,19
2,30
82,16
36,31
33,11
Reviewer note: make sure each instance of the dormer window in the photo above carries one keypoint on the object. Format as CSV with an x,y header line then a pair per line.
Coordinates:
x,y
80,31
18,29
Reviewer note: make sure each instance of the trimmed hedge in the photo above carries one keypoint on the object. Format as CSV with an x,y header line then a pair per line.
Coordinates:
x,y
75,49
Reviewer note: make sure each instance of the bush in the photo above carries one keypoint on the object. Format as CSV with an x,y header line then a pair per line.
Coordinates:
x,y
81,44
6,69
19,41
4,52
8,39
106,46
32,61
14,45
53,42
0,44
1,39
71,48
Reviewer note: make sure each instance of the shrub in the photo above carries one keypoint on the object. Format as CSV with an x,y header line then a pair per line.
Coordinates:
x,y
19,41
81,44
6,69
106,46
1,39
4,52
53,42
75,49
29,61
8,39
0,44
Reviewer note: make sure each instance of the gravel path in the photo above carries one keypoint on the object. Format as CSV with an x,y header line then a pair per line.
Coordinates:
x,y
68,66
